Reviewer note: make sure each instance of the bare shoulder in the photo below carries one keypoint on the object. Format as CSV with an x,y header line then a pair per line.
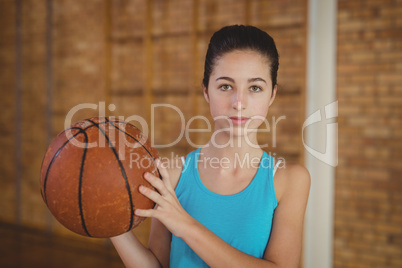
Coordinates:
x,y
174,167
292,179
292,186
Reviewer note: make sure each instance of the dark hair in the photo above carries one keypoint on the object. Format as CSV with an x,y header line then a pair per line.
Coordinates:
x,y
240,37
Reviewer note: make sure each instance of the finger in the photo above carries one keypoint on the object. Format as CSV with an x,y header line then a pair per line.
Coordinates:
x,y
151,194
144,212
157,183
162,168
164,173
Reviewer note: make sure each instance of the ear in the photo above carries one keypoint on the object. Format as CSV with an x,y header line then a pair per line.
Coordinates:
x,y
206,96
273,95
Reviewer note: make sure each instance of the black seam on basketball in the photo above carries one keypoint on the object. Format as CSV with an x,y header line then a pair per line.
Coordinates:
x,y
89,127
106,121
73,128
123,172
80,186
99,123
53,159
153,158
93,124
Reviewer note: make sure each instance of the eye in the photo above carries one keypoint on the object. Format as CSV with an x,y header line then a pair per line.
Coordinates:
x,y
255,89
225,87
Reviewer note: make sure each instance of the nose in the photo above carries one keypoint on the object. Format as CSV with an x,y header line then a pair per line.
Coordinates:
x,y
239,101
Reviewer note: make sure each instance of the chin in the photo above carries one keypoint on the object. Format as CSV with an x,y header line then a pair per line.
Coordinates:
x,y
241,131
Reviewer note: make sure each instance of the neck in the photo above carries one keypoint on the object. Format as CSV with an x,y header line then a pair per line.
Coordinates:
x,y
228,141
231,149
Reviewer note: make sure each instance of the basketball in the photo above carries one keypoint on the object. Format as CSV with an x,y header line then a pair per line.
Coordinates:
x,y
91,173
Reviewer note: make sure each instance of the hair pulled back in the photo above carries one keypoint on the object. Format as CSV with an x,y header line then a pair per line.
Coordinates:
x,y
240,37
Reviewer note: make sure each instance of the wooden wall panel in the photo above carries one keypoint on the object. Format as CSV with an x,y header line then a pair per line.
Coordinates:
x,y
132,53
128,19
172,72
128,72
79,64
33,139
172,17
79,60
213,15
286,22
8,116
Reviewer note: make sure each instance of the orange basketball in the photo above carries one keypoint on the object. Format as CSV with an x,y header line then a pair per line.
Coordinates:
x,y
91,173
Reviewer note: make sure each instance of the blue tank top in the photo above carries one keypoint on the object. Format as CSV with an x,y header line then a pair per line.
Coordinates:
x,y
243,220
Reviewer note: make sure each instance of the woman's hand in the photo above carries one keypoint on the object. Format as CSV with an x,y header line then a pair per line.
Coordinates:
x,y
168,209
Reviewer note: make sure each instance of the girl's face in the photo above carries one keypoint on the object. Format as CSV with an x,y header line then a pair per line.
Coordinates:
x,y
240,91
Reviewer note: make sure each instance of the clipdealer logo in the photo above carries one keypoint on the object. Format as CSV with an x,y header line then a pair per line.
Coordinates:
x,y
330,155
184,132
184,128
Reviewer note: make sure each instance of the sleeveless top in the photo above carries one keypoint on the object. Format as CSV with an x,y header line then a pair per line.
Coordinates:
x,y
243,220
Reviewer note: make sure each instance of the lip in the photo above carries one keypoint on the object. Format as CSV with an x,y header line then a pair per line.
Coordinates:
x,y
236,120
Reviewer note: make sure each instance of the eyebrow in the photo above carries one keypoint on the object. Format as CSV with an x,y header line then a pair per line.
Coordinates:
x,y
225,78
249,80
257,79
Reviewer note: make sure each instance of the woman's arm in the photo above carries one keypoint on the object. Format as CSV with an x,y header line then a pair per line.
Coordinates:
x,y
132,252
159,242
284,246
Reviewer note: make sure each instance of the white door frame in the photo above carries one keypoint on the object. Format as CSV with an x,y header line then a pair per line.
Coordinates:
x,y
320,98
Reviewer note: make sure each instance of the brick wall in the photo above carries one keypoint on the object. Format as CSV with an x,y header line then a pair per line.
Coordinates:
x,y
368,195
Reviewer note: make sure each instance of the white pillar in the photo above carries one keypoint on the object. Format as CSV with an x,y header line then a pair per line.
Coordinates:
x,y
320,133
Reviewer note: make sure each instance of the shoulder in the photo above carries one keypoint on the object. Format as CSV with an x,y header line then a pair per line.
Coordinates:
x,y
292,185
174,167
292,179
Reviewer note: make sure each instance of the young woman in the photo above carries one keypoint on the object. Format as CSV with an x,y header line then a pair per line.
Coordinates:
x,y
224,207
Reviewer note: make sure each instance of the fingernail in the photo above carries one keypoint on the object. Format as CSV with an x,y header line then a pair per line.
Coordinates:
x,y
157,161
